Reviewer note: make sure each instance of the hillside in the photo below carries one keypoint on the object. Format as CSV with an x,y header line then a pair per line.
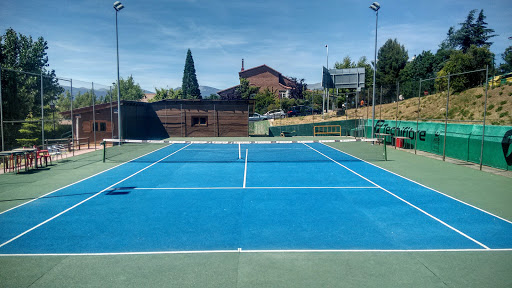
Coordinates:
x,y
466,105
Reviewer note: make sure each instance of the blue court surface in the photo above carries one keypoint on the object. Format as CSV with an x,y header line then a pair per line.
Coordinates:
x,y
275,197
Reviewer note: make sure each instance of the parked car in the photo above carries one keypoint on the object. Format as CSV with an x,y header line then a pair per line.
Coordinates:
x,y
257,117
302,110
274,114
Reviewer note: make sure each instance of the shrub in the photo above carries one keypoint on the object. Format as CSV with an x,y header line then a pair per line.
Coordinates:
x,y
499,109
503,102
490,107
479,96
503,114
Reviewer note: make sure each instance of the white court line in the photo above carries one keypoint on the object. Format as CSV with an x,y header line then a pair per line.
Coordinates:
x,y
405,201
245,170
458,200
240,250
234,188
80,181
85,200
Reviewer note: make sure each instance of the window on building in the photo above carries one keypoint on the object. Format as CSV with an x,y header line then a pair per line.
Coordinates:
x,y
100,126
200,121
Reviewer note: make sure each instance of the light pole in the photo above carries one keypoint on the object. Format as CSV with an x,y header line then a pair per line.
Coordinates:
x,y
327,90
118,7
375,7
52,106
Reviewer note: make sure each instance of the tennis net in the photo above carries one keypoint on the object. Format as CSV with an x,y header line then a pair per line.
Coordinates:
x,y
233,151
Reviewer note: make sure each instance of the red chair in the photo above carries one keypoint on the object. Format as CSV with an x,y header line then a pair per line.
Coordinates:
x,y
43,154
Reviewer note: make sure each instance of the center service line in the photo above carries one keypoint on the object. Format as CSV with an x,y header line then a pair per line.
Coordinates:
x,y
245,170
83,201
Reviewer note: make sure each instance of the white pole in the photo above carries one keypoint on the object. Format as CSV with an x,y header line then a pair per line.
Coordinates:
x,y
118,88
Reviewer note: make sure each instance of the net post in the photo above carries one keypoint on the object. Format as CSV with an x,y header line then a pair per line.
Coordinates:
x,y
104,149
385,151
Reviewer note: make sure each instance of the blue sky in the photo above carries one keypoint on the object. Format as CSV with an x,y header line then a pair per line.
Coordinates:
x,y
287,35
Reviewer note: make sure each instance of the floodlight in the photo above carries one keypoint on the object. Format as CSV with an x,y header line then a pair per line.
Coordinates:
x,y
118,6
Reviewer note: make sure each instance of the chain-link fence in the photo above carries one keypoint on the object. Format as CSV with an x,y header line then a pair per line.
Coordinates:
x,y
43,110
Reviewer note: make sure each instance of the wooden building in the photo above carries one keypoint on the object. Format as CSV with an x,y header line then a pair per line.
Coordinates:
x,y
163,119
88,120
204,118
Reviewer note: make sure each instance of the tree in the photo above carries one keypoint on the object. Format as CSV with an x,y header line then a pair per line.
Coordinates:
x,y
423,66
345,64
481,33
129,90
392,58
29,133
20,91
507,57
470,33
245,90
264,100
474,59
298,88
163,93
189,86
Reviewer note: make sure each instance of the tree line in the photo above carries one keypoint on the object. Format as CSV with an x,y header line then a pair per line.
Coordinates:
x,y
466,48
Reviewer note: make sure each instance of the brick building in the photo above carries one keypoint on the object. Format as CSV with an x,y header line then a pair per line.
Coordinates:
x,y
264,77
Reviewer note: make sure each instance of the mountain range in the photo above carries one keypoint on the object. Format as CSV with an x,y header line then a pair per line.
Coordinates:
x,y
206,91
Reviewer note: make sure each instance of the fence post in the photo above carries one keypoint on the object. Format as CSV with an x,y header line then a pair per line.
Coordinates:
x,y
42,110
396,119
93,96
417,121
485,113
1,112
446,118
72,123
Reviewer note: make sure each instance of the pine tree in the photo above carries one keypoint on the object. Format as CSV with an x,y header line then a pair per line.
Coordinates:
x,y
471,32
481,32
189,86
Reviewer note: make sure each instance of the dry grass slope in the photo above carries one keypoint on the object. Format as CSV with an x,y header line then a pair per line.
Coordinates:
x,y
466,105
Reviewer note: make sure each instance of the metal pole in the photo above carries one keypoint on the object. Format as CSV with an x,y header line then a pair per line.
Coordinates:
x,y
111,120
72,125
374,72
93,96
53,112
380,105
118,88
485,114
42,109
323,103
366,121
446,118
417,124
396,119
326,46
1,111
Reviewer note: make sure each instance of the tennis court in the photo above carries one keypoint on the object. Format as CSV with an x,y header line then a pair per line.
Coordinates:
x,y
247,197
